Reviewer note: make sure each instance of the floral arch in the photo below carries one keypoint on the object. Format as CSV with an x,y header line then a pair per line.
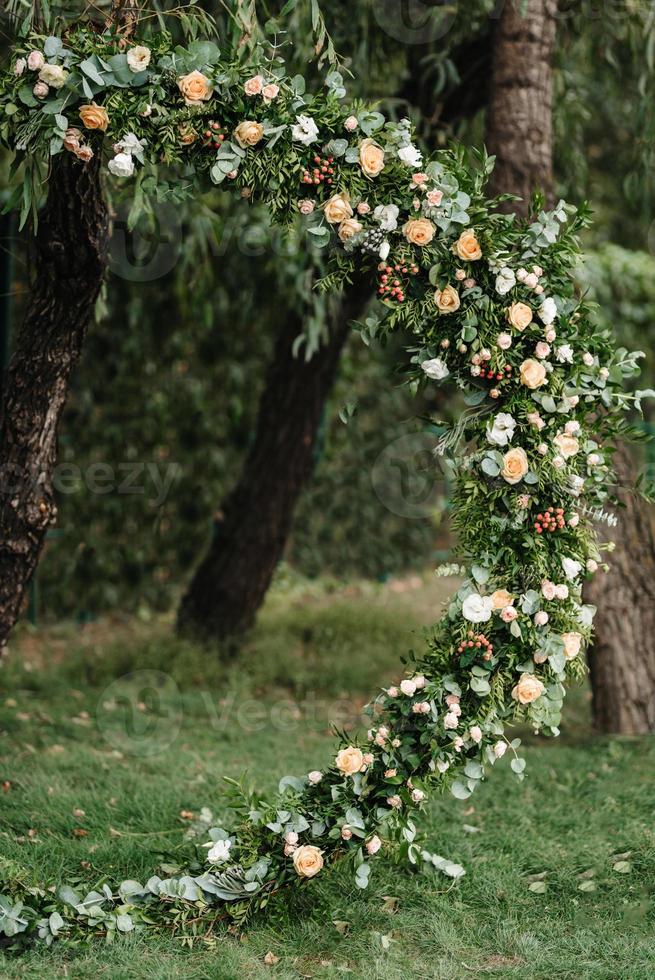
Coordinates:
x,y
490,305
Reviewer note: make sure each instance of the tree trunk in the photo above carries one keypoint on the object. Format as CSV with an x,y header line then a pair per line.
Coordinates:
x,y
519,132
519,126
622,661
70,258
253,525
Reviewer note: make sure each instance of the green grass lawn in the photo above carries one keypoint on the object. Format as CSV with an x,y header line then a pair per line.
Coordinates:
x,y
560,869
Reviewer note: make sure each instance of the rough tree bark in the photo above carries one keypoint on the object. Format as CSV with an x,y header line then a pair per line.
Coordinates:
x,y
622,660
69,264
519,132
519,124
254,522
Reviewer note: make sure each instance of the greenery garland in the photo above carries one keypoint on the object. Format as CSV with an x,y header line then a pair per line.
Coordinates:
x,y
490,304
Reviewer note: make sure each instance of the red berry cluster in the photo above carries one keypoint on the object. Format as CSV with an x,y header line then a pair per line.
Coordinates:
x,y
552,519
477,641
390,285
492,374
212,136
321,173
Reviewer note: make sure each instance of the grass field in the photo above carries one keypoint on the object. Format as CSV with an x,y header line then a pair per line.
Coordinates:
x,y
560,868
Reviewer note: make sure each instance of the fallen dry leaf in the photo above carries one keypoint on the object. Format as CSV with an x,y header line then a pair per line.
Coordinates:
x,y
271,959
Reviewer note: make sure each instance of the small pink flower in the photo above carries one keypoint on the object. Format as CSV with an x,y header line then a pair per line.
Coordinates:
x,y
84,153
460,275
306,205
550,335
539,658
530,280
363,207
419,178
35,61
592,566
368,758
572,428
468,283
417,796
408,687
270,92
421,708
346,833
291,837
574,520
541,618
373,845
535,419
435,198
508,614
523,500
19,66
504,341
232,174
395,802
396,743
500,748
393,692
452,699
476,734
380,740
450,720
588,359
542,349
315,777
351,124
40,90
390,773
559,462
539,289
561,591
289,849
254,85
420,682
416,204
538,271
542,448
548,589
458,743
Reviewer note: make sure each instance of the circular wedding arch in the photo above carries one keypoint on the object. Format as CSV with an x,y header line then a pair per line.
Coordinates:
x,y
489,304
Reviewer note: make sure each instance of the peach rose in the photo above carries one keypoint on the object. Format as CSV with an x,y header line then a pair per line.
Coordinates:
x,y
528,689
502,598
195,87
371,157
419,231
348,228
533,373
187,135
338,208
254,85
467,247
94,117
270,92
248,133
307,860
447,299
519,315
572,644
349,760
567,445
515,465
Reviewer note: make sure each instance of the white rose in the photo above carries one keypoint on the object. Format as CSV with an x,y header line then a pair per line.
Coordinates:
x,y
220,851
505,280
408,687
305,130
122,165
35,61
547,311
314,777
477,608
384,250
571,568
410,156
53,75
138,58
387,216
564,354
436,369
501,430
130,143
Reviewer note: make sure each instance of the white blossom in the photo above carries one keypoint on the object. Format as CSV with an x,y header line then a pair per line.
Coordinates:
x,y
564,354
547,311
410,156
572,568
435,368
387,216
505,280
477,608
305,130
219,852
122,165
501,430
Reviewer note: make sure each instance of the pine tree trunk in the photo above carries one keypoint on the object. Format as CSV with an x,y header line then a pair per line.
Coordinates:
x,y
622,661
69,265
254,523
519,127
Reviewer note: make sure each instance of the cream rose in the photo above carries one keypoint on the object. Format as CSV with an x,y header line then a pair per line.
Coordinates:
x,y
467,247
248,133
515,465
419,231
348,228
138,58
447,299
567,445
572,644
195,87
371,157
501,598
519,315
94,116
338,208
533,373
528,689
349,760
307,860
53,75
